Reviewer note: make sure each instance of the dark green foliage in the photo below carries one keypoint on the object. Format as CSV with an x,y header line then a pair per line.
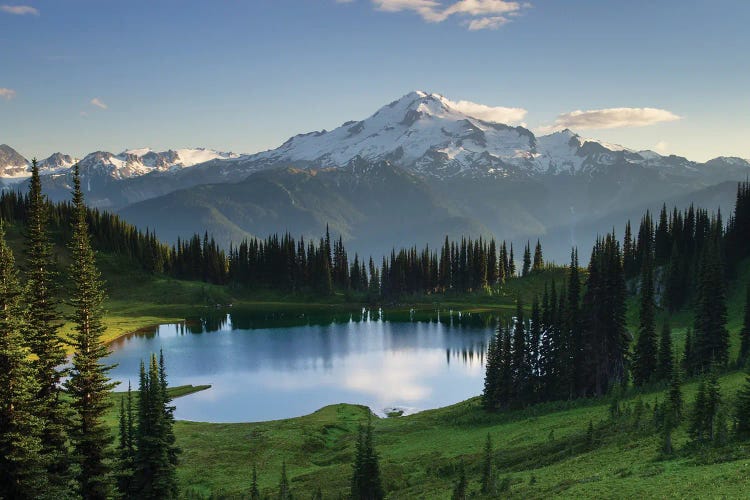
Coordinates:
x,y
664,364
526,260
462,484
22,469
366,481
156,454
604,339
284,492
254,489
675,403
703,420
88,384
493,366
519,361
745,332
742,410
711,335
42,324
126,448
488,473
645,354
538,264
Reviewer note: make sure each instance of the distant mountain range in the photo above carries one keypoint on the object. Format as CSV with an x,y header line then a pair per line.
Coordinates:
x,y
416,170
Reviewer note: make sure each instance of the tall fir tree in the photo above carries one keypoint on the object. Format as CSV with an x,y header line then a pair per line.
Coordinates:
x,y
526,260
711,334
42,325
366,481
745,332
538,264
461,485
675,401
22,469
664,364
285,492
742,410
89,384
155,458
519,359
126,447
488,473
645,355
493,366
254,488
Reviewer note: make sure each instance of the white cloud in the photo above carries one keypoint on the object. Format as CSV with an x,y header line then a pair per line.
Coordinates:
x,y
497,114
19,10
610,118
7,94
484,23
481,14
661,147
98,103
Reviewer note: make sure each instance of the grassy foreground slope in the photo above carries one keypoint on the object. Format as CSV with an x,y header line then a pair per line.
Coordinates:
x,y
540,452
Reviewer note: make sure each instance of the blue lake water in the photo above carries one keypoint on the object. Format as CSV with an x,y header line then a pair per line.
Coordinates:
x,y
261,372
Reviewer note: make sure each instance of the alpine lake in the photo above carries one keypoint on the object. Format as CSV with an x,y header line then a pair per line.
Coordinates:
x,y
274,365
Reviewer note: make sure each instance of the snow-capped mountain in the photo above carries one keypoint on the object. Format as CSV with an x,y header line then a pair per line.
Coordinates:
x,y
427,134
12,165
56,163
138,162
128,164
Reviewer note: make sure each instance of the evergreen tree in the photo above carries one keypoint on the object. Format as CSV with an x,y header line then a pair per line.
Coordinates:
x,y
688,356
492,372
742,410
254,489
461,485
22,472
488,474
126,448
89,384
675,403
284,492
366,482
526,260
664,363
538,264
519,362
707,404
711,335
745,332
42,324
155,458
645,355
534,348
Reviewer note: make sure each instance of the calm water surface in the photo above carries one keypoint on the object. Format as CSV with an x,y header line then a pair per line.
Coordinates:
x,y
285,367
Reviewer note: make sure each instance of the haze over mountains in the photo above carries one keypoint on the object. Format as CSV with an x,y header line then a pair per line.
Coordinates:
x,y
419,168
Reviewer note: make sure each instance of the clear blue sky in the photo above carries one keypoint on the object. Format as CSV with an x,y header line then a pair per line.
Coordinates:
x,y
245,75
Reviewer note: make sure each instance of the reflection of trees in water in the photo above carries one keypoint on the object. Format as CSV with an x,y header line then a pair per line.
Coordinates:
x,y
239,319
275,338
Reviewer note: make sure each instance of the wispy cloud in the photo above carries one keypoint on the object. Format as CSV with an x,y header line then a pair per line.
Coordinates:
x,y
478,14
98,103
20,10
497,114
661,147
7,94
610,118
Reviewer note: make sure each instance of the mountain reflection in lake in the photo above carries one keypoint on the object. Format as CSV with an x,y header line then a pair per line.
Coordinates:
x,y
266,366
